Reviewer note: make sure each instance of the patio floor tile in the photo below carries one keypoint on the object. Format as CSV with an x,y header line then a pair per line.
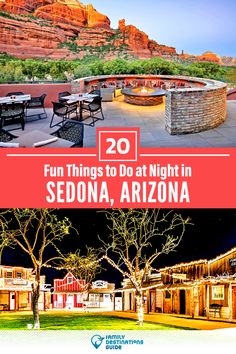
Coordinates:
x,y
151,121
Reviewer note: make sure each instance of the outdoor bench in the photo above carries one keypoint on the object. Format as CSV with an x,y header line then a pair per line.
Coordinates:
x,y
214,310
3,307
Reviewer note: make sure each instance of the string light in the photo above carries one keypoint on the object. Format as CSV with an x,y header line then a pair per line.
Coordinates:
x,y
223,255
136,279
189,264
81,283
88,265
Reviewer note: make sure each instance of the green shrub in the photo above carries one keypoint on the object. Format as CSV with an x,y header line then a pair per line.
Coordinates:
x,y
230,75
206,70
115,67
82,71
97,67
13,69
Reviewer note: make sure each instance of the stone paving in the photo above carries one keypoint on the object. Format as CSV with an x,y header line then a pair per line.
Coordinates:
x,y
184,322
151,122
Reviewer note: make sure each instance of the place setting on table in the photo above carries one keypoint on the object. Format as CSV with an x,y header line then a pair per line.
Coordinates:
x,y
78,97
35,139
15,99
75,104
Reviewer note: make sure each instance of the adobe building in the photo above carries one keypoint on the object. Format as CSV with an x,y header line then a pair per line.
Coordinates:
x,y
16,288
199,288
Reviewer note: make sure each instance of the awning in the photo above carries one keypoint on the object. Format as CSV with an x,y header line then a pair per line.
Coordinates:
x,y
145,287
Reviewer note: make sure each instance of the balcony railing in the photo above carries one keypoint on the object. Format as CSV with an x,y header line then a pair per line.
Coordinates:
x,y
19,283
14,283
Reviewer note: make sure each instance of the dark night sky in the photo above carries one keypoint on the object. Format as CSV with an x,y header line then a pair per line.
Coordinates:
x,y
213,232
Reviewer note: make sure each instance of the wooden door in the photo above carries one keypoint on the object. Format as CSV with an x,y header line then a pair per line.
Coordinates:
x,y
12,300
70,301
234,302
152,301
182,294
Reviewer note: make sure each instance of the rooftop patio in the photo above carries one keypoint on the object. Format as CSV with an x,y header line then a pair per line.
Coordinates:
x,y
151,121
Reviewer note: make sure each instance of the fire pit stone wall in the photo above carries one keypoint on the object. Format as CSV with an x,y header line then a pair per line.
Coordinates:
x,y
195,110
194,105
143,96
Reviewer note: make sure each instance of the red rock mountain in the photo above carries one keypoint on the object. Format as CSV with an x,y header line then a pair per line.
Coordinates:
x,y
69,29
57,11
140,43
205,57
72,12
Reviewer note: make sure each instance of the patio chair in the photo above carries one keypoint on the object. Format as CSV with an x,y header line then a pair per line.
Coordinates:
x,y
5,136
11,114
92,108
63,111
18,93
73,131
61,96
95,92
108,94
37,103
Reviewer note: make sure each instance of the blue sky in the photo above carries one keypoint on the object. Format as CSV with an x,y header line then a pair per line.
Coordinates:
x,y
193,25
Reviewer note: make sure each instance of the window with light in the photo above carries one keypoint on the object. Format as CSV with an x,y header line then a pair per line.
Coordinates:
x,y
69,280
218,292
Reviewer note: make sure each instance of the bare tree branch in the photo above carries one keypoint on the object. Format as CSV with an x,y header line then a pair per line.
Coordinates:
x,y
83,267
38,233
137,238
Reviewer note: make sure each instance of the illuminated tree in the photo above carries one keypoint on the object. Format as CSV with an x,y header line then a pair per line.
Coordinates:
x,y
84,267
38,233
137,238
5,241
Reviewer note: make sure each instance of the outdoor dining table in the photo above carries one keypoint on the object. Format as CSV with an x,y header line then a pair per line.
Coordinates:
x,y
15,99
37,138
78,98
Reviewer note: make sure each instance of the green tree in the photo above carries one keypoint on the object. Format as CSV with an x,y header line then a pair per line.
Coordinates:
x,y
18,74
206,70
82,71
97,67
136,67
57,71
159,66
115,67
7,72
30,68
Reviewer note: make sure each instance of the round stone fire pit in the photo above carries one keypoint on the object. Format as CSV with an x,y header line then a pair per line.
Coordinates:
x,y
192,105
143,96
